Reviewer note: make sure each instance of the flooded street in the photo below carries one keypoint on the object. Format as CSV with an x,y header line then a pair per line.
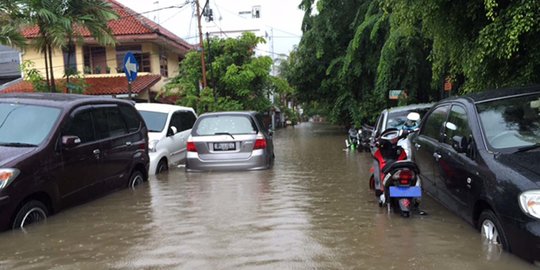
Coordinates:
x,y
312,210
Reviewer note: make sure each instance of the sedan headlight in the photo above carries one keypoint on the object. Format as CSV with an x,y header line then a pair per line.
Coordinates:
x,y
530,203
152,145
6,176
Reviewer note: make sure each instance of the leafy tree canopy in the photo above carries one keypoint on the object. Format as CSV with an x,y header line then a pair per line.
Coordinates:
x,y
237,79
353,52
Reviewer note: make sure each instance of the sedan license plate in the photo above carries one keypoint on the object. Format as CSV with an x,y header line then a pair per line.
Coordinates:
x,y
224,146
405,192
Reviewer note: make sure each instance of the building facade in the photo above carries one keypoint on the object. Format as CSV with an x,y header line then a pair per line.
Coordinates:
x,y
157,50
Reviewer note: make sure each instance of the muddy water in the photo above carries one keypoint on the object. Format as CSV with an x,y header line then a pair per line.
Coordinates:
x,y
312,210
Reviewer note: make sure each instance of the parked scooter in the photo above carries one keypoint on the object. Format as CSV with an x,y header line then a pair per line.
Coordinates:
x,y
364,134
395,178
353,139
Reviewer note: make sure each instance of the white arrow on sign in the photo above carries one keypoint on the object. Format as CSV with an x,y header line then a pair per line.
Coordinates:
x,y
130,67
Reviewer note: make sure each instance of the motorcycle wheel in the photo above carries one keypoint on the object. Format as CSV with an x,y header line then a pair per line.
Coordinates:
x,y
404,206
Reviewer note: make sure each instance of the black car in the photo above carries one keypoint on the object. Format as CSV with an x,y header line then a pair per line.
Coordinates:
x,y
60,150
479,155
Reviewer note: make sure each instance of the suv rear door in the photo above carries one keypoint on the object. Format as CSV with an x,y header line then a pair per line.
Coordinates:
x,y
118,141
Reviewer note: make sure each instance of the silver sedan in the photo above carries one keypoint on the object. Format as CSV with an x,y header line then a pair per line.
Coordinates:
x,y
229,141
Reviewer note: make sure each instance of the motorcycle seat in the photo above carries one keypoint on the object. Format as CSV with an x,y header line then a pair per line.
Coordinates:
x,y
401,164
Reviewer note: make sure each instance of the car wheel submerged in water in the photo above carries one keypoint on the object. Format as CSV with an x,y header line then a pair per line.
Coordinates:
x,y
491,231
162,166
136,179
31,212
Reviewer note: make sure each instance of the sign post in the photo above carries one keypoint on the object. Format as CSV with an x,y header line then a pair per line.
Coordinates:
x,y
130,69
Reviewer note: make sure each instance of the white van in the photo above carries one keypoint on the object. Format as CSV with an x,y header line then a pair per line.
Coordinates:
x,y
169,127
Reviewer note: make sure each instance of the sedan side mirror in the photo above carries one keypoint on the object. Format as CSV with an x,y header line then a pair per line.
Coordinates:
x,y
172,130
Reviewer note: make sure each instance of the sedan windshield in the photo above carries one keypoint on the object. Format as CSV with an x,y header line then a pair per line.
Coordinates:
x,y
25,125
226,124
512,123
155,121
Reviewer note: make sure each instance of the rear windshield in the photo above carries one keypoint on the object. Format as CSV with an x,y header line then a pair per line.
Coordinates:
x,y
22,124
232,124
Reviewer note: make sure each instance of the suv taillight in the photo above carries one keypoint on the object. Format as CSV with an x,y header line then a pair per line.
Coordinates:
x,y
191,147
260,144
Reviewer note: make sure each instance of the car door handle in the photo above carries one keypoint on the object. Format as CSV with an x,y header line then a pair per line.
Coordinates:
x,y
96,153
417,146
128,143
437,156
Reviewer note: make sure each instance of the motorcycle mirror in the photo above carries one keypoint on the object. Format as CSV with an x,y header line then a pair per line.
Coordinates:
x,y
451,126
413,116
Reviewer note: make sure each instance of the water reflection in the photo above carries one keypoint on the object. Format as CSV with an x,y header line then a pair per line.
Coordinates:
x,y
312,210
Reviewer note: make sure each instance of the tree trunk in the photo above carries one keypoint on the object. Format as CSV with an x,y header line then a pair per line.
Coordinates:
x,y
53,84
67,70
47,69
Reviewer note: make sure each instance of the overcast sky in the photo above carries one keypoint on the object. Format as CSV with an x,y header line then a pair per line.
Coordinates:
x,y
283,16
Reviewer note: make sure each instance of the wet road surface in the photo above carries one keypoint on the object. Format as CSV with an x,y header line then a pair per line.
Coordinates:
x,y
312,210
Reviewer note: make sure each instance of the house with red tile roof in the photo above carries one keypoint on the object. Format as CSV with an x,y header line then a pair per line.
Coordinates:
x,y
157,50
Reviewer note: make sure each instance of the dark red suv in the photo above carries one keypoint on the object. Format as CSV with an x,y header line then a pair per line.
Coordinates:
x,y
59,150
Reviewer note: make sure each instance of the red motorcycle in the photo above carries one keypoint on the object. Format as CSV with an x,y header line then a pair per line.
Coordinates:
x,y
394,178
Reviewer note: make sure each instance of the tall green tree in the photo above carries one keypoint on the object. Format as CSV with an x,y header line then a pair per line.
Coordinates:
x,y
60,22
237,79
327,28
10,22
353,52
480,44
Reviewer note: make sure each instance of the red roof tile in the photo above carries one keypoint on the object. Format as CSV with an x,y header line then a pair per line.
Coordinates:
x,y
98,85
130,23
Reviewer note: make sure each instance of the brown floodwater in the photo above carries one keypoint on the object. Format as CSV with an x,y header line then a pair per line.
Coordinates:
x,y
312,210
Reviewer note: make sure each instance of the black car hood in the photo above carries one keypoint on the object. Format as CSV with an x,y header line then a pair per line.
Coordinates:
x,y
526,163
8,154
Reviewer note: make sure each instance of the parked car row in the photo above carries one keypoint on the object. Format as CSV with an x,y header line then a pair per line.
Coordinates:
x,y
479,155
60,150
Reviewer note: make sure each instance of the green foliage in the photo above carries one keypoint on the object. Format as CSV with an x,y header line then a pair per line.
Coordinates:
x,y
237,80
76,83
33,75
10,22
353,52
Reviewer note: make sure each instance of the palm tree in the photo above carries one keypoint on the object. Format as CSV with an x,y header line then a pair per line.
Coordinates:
x,y
10,21
61,22
93,15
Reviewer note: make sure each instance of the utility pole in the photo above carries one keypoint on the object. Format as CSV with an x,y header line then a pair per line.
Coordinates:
x,y
201,45
273,74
